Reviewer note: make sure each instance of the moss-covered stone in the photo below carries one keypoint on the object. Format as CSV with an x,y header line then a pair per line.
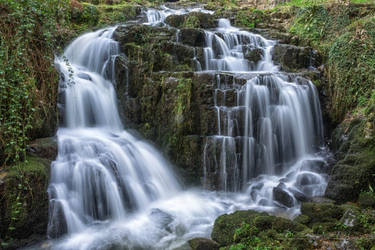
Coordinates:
x,y
24,201
321,212
85,13
250,229
354,170
192,20
367,199
203,244
225,225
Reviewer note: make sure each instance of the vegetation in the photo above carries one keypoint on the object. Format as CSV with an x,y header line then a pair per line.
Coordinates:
x,y
28,80
33,31
316,227
24,203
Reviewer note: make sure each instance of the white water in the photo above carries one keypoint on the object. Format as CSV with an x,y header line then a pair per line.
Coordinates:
x,y
107,186
269,129
111,189
225,46
157,17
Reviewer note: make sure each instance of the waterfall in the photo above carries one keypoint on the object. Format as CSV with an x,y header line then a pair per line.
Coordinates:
x,y
269,129
110,189
225,48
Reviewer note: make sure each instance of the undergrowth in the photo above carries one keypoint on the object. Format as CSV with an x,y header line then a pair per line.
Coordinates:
x,y
27,75
346,38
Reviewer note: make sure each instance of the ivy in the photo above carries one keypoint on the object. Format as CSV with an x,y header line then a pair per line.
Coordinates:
x,y
28,41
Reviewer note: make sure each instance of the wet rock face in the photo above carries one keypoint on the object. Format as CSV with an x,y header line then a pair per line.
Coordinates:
x,y
192,37
292,58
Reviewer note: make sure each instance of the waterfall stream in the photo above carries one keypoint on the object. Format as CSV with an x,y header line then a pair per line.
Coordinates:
x,y
109,188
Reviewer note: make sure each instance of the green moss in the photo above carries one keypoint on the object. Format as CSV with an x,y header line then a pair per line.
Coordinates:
x,y
192,21
367,199
24,201
321,212
254,230
119,13
249,18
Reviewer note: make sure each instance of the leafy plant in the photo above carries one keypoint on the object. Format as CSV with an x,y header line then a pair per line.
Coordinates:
x,y
28,79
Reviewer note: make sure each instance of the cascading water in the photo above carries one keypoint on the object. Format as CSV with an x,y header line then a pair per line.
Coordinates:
x,y
111,189
108,188
225,48
157,17
269,128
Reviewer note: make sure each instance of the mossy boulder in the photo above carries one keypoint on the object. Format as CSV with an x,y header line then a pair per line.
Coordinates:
x,y
84,13
225,225
192,20
321,212
367,199
24,202
251,229
120,13
353,143
203,244
225,230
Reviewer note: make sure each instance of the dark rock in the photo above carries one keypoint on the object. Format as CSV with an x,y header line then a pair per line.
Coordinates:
x,y
318,166
253,54
291,57
298,195
283,197
44,147
203,244
192,37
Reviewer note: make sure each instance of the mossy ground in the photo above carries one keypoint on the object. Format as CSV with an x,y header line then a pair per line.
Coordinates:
x,y
320,226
